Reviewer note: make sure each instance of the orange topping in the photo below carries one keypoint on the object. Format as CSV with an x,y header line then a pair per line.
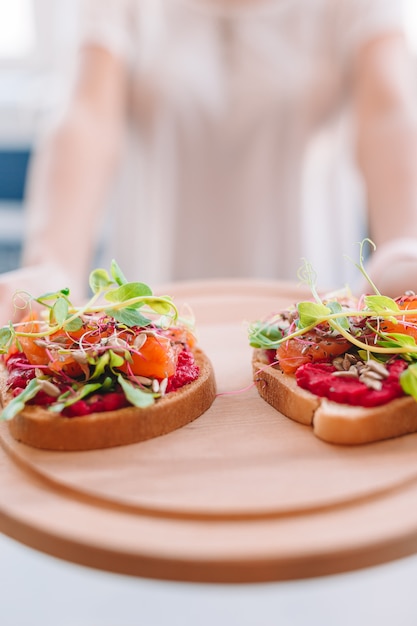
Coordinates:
x,y
156,358
309,348
179,334
35,353
406,325
67,365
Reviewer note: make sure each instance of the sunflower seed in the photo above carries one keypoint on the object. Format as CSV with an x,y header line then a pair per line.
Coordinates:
x,y
144,380
350,358
371,383
338,363
163,386
50,388
379,368
79,356
372,375
352,373
118,344
139,341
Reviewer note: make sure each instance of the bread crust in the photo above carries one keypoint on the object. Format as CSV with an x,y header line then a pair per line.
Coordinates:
x,y
282,392
331,421
40,428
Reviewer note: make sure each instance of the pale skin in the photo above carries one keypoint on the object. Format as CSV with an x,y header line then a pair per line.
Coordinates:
x,y
386,116
72,169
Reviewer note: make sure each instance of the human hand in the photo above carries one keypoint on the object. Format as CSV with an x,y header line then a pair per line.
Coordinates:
x,y
17,286
393,268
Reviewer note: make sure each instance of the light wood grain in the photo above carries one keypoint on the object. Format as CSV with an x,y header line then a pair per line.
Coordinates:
x,y
241,494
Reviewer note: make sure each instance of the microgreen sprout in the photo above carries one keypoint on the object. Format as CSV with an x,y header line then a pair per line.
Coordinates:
x,y
124,300
96,340
361,265
338,314
307,275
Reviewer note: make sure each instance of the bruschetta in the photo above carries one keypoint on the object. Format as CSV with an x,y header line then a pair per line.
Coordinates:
x,y
120,369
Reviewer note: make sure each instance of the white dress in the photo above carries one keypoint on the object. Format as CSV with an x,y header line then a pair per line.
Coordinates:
x,y
226,163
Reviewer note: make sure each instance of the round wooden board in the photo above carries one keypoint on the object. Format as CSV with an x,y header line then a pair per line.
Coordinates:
x,y
241,494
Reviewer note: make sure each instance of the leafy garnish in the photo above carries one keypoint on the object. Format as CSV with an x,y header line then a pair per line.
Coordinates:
x,y
72,325
136,396
117,273
346,321
264,335
336,308
382,305
59,311
89,348
53,295
129,291
399,343
361,264
307,275
408,381
311,313
129,316
17,404
99,281
82,392
6,334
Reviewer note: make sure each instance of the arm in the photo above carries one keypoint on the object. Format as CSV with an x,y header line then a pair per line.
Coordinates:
x,y
69,176
386,110
68,181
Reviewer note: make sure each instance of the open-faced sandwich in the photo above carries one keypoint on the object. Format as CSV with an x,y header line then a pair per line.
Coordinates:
x,y
346,366
120,369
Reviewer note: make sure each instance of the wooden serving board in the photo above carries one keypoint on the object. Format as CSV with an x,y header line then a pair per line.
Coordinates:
x,y
241,494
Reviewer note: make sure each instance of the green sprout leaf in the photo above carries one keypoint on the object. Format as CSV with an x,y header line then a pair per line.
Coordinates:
x,y
53,295
408,381
399,340
307,275
365,355
163,306
18,403
361,265
115,360
117,273
381,305
6,335
59,311
264,335
81,393
128,316
100,365
335,307
107,384
134,395
311,313
99,280
75,324
129,291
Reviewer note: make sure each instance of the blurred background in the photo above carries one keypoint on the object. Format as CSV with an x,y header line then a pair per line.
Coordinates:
x,y
37,42
38,39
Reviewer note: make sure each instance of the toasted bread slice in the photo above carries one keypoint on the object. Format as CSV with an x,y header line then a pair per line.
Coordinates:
x,y
331,421
41,428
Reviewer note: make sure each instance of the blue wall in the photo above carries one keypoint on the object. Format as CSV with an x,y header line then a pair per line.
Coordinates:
x,y
13,170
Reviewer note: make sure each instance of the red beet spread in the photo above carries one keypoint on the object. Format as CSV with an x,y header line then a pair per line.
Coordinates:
x,y
21,372
317,378
187,371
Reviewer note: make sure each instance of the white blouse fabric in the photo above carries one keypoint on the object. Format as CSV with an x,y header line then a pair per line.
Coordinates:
x,y
228,170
